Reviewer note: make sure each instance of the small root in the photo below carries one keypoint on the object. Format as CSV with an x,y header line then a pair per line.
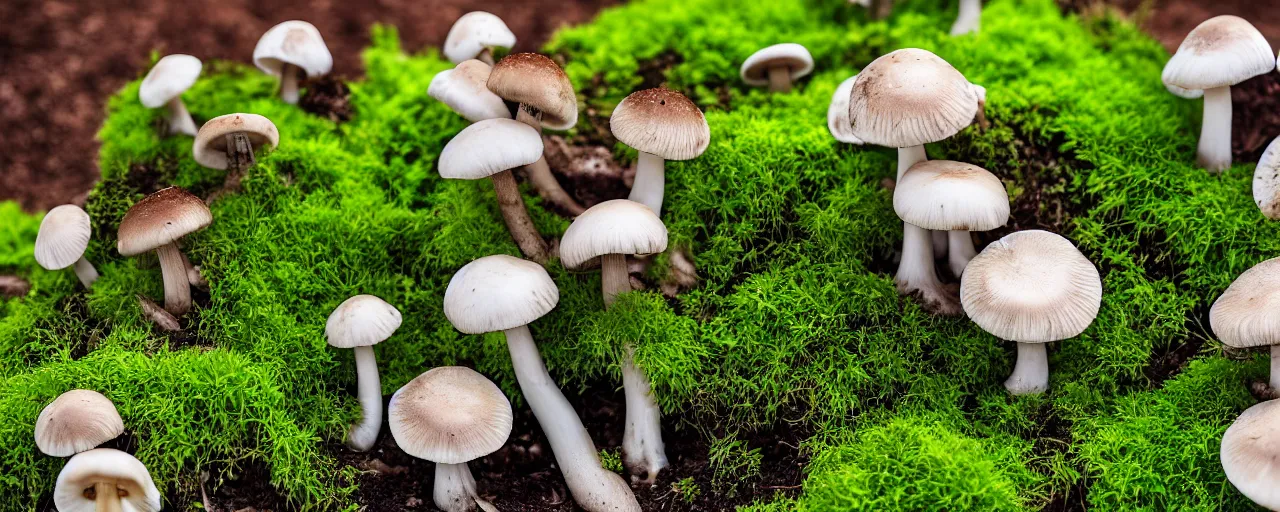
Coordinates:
x,y
163,319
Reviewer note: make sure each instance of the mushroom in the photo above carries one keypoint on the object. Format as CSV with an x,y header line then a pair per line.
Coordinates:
x,y
228,142
662,125
451,416
62,240
463,89
359,323
1217,54
611,230
952,197
1031,287
838,113
504,294
164,85
777,66
76,421
289,50
490,149
546,99
969,19
1251,453
157,222
1266,182
475,35
1189,94
1244,316
105,480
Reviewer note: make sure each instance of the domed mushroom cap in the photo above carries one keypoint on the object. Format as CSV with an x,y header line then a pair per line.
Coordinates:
x,y
450,415
499,292
619,226
950,196
1248,313
534,80
910,97
474,32
1251,454
1224,50
210,148
76,421
161,218
1031,287
63,237
463,89
169,78
1266,181
794,57
137,491
663,122
361,321
838,113
293,42
489,147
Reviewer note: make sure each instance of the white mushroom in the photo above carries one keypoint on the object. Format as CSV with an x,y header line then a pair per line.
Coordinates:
x,y
76,421
156,223
661,125
777,66
475,35
1247,315
62,240
228,143
838,113
954,198
289,50
970,18
359,323
1251,454
463,89
164,85
1266,181
105,480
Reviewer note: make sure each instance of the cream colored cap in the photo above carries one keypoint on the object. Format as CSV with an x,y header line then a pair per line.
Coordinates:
x,y
474,32
63,237
794,57
497,293
910,97
951,196
838,113
361,321
76,421
1248,313
1266,182
1251,454
1222,51
210,147
662,122
137,491
159,219
489,147
619,226
463,89
169,78
296,43
450,415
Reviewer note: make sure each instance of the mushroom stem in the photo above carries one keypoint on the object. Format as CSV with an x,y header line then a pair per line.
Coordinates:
x,y
289,83
969,19
517,217
455,489
540,173
239,152
780,79
486,56
85,271
177,290
960,251
650,182
1214,153
917,275
908,157
1031,372
179,119
369,389
107,497
1275,367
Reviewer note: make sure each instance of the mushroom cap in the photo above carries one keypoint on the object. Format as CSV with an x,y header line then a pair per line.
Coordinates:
x,y
361,321
293,42
169,78
951,196
63,237
796,58
1222,51
105,465
1251,453
1031,287
489,147
1248,313
463,90
910,97
619,226
838,113
450,415
76,421
535,80
474,32
663,122
1188,94
1266,182
161,218
499,292
210,148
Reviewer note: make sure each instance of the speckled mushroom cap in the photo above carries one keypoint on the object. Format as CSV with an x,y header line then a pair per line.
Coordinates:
x,y
1248,313
161,218
910,97
619,226
450,415
535,80
76,421
663,122
293,42
210,147
794,57
474,32
1031,287
951,196
169,78
838,113
463,89
489,147
63,237
138,492
361,321
497,293
1251,454
1266,181
1222,51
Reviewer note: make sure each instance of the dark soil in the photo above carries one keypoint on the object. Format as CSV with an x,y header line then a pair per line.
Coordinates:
x,y
13,286
328,96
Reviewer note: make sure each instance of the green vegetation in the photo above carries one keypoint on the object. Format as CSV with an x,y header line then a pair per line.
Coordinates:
x,y
796,318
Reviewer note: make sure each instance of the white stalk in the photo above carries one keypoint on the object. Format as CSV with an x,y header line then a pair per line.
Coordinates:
x,y
960,252
107,498
177,290
1214,153
908,157
917,275
455,489
1031,372
289,83
85,271
486,56
179,119
369,389
1275,367
969,19
650,182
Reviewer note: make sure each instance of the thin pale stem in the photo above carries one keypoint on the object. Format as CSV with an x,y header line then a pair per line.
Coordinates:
x,y
1031,372
289,83
178,119
1214,152
455,488
780,79
85,271
540,173
107,497
960,251
614,278
650,184
177,290
908,157
369,390
486,56
511,204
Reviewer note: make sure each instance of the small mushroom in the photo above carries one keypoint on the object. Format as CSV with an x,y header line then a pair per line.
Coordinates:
x,y
475,35
970,18
105,480
1251,454
62,240
1244,316
662,125
228,143
838,113
1031,287
451,416
463,89
76,421
156,223
289,50
359,323
952,197
777,66
1217,54
1266,182
164,85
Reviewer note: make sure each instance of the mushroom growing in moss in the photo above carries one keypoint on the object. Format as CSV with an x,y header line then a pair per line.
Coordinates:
x,y
463,89
1250,454
228,143
662,125
290,50
838,113
164,85
105,480
954,198
359,323
1247,315
475,35
77,421
62,240
156,223
777,66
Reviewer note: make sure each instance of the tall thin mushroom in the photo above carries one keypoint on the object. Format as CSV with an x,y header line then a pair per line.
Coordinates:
x,y
62,240
661,125
289,51
359,323
156,223
475,35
